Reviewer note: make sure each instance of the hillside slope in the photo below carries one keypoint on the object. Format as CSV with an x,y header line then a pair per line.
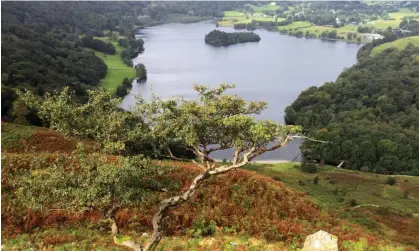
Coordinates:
x,y
250,210
399,44
369,115
361,197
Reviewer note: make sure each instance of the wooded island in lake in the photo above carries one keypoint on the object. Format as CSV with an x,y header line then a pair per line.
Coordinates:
x,y
220,38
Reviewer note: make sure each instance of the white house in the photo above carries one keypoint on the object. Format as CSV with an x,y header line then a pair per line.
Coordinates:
x,y
273,3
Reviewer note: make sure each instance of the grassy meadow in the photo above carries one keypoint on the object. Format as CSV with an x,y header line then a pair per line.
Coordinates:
x,y
236,17
362,198
117,70
395,19
399,44
338,186
259,9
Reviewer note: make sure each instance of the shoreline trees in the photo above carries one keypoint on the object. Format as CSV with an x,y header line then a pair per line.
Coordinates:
x,y
370,114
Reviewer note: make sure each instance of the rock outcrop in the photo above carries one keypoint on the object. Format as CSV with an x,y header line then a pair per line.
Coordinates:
x,y
321,241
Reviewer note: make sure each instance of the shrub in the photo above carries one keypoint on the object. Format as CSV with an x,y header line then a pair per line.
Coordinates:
x,y
229,230
332,182
316,180
391,181
273,234
406,194
301,183
202,228
352,202
277,178
308,167
83,181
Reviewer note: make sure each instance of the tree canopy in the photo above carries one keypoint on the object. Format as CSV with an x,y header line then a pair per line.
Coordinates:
x,y
370,114
219,38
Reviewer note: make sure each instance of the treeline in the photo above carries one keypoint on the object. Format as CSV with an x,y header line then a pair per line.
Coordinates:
x,y
132,48
411,25
123,89
162,10
42,47
219,38
369,116
253,25
98,45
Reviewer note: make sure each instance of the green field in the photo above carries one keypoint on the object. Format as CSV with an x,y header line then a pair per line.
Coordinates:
x,y
317,30
117,70
295,25
233,14
259,9
399,44
396,19
236,17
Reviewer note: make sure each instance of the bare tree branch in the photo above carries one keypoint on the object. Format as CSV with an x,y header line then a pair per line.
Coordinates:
x,y
176,200
236,156
308,138
201,166
274,147
221,147
171,155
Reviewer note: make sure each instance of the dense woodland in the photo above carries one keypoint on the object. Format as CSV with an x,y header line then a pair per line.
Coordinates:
x,y
220,38
43,48
370,115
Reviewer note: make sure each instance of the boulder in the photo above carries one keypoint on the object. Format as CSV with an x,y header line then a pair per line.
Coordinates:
x,y
321,241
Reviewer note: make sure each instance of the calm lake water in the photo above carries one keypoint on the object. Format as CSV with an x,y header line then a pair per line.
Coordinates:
x,y
276,69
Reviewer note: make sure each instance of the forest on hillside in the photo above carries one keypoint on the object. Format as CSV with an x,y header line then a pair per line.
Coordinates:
x,y
369,116
45,46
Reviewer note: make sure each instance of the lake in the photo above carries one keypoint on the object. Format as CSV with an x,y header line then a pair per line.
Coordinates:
x,y
276,69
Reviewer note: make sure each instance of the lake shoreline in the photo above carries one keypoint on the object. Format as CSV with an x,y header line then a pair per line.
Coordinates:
x,y
176,58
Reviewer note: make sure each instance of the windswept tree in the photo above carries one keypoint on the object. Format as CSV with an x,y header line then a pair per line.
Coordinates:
x,y
213,122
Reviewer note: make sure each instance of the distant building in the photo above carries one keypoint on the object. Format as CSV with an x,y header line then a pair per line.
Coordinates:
x,y
337,21
400,32
273,3
371,36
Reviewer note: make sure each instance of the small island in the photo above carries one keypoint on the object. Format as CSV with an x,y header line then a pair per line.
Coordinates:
x,y
220,38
